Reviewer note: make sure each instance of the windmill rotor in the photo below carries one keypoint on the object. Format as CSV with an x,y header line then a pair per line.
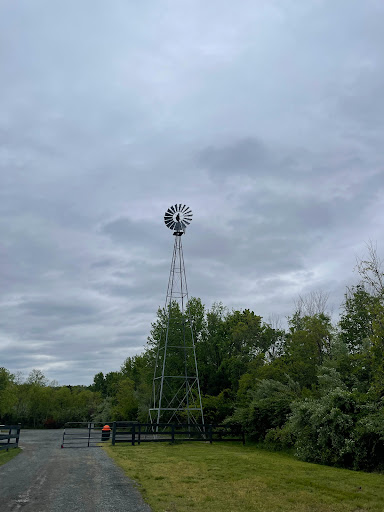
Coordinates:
x,y
178,217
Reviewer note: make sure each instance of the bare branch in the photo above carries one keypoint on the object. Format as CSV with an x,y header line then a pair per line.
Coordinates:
x,y
371,271
314,303
275,321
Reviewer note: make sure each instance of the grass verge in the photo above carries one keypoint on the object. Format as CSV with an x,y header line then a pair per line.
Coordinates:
x,y
7,456
235,478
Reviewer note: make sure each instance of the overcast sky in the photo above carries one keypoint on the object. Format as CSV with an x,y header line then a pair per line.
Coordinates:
x,y
264,117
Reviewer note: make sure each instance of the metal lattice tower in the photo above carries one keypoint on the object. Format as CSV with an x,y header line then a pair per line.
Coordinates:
x,y
176,396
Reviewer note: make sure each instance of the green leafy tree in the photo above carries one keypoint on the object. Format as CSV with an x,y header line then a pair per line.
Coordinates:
x,y
218,408
377,350
211,352
7,393
309,342
268,407
126,407
99,384
357,318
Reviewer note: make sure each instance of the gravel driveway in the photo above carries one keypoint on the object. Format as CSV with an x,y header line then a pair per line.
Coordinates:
x,y
46,478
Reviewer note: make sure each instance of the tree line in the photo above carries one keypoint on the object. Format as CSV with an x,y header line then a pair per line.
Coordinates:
x,y
315,386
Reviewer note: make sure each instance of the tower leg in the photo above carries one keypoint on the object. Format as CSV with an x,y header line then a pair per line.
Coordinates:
x,y
176,396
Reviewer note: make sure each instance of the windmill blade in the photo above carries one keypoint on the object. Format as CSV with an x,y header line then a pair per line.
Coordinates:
x,y
178,217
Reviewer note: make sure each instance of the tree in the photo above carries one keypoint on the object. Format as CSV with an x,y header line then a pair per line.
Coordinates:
x,y
210,351
372,276
7,395
99,384
309,341
314,303
356,319
37,377
268,407
371,271
126,407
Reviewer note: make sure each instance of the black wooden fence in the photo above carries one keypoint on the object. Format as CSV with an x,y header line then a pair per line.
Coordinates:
x,y
129,432
8,432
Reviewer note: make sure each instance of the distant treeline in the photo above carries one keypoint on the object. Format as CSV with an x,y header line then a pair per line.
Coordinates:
x,y
315,386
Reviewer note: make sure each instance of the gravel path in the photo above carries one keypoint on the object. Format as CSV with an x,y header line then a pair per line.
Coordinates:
x,y
45,478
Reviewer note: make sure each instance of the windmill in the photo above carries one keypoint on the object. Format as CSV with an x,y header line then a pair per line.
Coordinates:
x,y
176,396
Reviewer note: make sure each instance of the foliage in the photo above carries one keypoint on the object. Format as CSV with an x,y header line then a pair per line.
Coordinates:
x,y
308,343
356,319
7,393
218,408
340,429
268,407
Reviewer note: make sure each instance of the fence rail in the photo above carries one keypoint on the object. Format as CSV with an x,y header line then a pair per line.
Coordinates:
x,y
87,434
8,432
129,432
81,434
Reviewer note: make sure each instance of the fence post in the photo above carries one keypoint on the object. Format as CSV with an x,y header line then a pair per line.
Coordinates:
x,y
18,434
210,433
139,434
9,438
173,432
114,433
133,435
89,432
243,435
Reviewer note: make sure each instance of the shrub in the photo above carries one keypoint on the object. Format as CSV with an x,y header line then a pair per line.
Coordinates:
x,y
268,408
280,438
339,429
369,442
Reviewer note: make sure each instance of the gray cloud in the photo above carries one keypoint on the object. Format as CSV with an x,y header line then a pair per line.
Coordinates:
x,y
246,156
265,120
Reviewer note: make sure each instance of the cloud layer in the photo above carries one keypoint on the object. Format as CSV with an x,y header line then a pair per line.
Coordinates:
x,y
265,120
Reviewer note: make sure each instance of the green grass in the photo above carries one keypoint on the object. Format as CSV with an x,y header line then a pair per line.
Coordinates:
x,y
230,477
5,456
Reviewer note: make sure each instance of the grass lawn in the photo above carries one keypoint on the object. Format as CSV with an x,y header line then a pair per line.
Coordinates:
x,y
5,456
230,477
